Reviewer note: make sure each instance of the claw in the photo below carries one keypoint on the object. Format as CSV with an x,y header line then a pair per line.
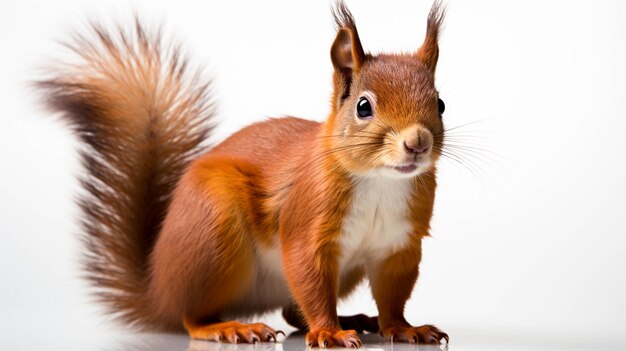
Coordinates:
x,y
281,332
325,344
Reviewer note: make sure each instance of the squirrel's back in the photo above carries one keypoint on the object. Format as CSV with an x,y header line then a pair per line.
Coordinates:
x,y
263,141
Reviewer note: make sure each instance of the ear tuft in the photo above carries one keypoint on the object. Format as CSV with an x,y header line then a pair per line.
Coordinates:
x,y
428,53
343,17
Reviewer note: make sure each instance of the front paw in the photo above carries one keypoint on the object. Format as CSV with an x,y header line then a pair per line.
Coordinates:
x,y
325,337
425,334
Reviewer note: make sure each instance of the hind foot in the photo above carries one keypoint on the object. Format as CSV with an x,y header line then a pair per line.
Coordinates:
x,y
359,322
232,332
425,334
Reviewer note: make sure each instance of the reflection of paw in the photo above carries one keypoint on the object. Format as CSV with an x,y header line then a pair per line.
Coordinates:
x,y
324,338
235,332
426,334
360,323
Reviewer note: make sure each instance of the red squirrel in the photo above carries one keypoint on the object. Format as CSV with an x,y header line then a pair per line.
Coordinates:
x,y
287,213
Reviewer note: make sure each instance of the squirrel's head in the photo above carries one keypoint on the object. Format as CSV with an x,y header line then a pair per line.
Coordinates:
x,y
386,117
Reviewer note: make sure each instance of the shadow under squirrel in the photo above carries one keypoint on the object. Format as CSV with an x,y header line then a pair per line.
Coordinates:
x,y
286,213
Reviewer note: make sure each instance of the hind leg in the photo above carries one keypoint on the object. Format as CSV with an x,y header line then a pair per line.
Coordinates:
x,y
203,261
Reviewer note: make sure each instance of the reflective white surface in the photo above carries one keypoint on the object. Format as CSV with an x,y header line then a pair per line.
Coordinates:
x,y
295,342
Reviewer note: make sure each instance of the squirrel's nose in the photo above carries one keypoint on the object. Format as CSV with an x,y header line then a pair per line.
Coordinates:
x,y
415,147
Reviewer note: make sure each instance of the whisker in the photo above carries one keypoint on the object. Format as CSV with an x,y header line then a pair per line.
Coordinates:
x,y
334,150
462,134
484,167
463,141
472,148
474,159
419,177
479,153
449,156
379,156
374,133
468,124
468,164
339,136
386,127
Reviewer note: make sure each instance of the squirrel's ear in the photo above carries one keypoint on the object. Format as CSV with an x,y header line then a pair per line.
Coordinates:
x,y
428,53
346,53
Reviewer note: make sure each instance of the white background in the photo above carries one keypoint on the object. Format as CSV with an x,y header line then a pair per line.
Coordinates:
x,y
529,245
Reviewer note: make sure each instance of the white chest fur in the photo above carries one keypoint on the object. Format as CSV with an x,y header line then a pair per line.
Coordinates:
x,y
377,223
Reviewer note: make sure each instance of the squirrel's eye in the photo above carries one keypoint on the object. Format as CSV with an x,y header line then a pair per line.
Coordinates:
x,y
441,105
364,108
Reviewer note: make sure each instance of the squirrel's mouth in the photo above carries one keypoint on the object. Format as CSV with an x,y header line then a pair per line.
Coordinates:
x,y
409,168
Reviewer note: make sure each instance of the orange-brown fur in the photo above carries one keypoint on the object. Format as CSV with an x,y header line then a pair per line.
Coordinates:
x,y
185,256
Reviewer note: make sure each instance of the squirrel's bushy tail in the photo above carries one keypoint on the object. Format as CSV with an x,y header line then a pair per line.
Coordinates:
x,y
143,116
